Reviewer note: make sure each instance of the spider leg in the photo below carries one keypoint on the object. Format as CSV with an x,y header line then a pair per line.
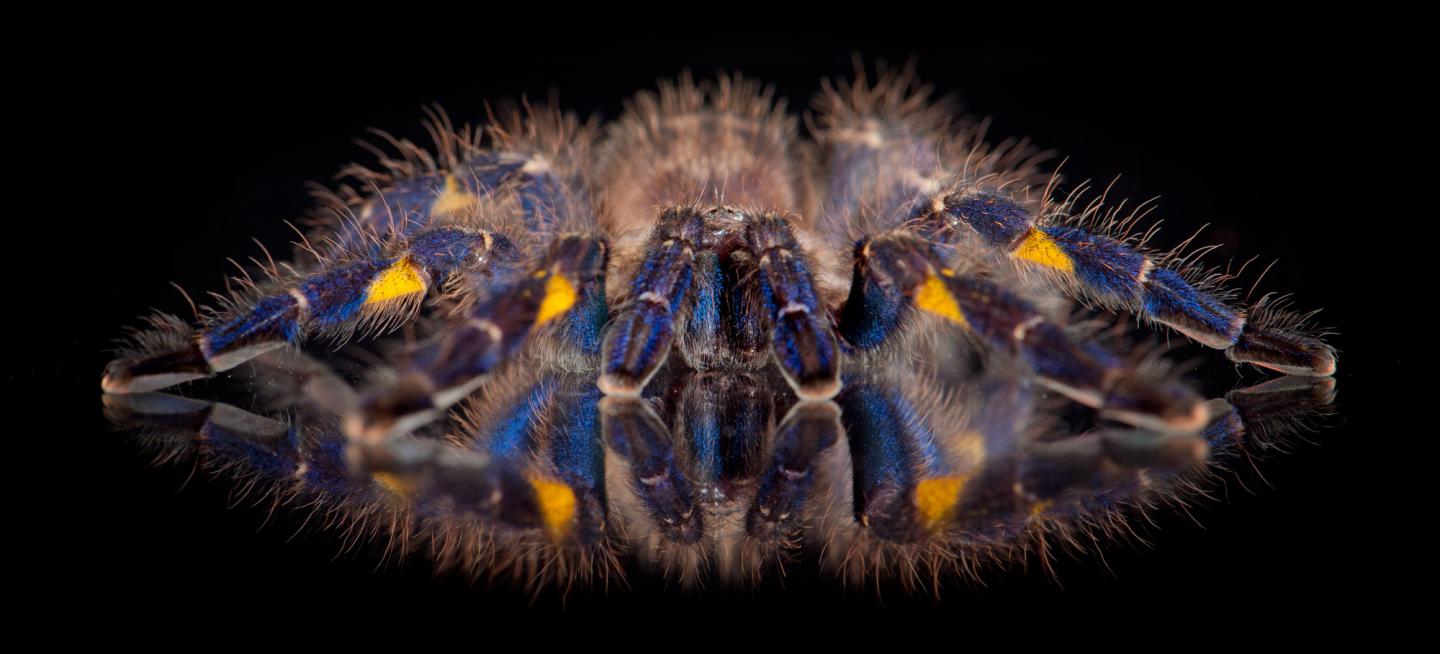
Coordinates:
x,y
576,452
547,422
172,417
1038,479
639,339
533,438
897,272
275,457
519,491
1073,476
377,289
918,475
454,481
809,429
802,336
1255,418
544,198
638,436
566,289
420,484
431,223
263,458
533,435
1114,273
890,444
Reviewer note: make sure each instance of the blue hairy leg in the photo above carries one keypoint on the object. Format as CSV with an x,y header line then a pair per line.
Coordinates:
x,y
378,287
1113,273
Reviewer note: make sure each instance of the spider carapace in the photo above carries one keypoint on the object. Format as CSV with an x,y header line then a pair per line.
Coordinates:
x,y
700,343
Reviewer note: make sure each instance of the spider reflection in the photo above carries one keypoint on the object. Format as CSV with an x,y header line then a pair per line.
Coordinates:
x,y
711,476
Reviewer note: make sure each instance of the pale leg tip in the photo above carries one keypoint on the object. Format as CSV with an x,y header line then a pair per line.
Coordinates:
x,y
619,385
111,386
375,429
1181,422
124,385
1190,422
818,391
1325,368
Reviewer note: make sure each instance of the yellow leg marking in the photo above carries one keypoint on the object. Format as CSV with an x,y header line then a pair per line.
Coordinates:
x,y
394,484
557,506
401,279
935,298
935,498
452,198
1039,248
560,295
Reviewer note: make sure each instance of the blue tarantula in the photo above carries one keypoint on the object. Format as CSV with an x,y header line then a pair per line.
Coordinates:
x,y
696,342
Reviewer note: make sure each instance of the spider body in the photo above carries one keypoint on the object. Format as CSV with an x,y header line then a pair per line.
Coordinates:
x,y
699,341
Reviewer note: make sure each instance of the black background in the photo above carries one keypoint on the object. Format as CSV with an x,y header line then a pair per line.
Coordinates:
x,y
176,148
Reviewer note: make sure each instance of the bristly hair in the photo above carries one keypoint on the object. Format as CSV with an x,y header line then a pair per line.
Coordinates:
x,y
723,142
893,145
703,344
162,332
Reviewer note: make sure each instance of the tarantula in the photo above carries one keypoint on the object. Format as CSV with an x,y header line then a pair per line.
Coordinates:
x,y
696,340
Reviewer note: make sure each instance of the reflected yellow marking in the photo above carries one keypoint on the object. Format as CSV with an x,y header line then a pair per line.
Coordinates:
x,y
1038,247
452,198
400,279
560,295
557,506
1040,507
394,483
935,498
935,298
